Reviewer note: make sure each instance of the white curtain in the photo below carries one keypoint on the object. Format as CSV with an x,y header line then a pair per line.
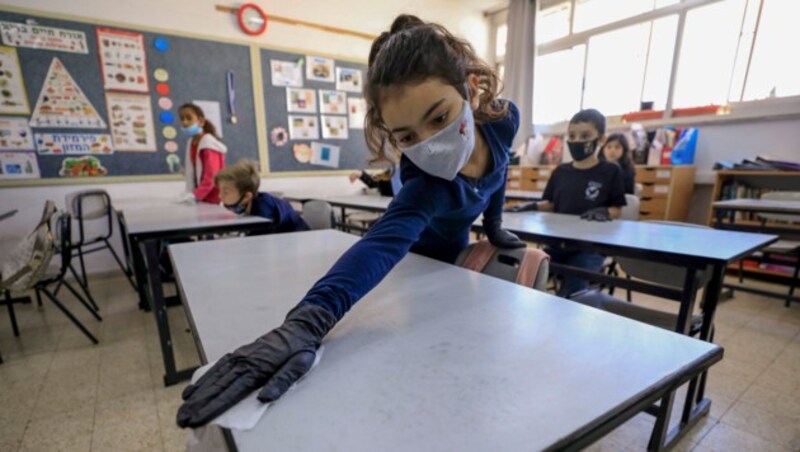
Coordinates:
x,y
520,49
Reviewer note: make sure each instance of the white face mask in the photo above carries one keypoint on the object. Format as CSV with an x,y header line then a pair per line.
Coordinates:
x,y
444,154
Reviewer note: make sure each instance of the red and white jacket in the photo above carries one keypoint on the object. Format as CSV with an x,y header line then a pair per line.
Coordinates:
x,y
202,163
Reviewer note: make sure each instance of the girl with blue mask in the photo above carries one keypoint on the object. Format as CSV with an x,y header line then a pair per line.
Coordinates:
x,y
432,105
205,154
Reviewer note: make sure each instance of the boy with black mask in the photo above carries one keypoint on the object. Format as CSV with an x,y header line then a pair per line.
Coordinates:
x,y
589,187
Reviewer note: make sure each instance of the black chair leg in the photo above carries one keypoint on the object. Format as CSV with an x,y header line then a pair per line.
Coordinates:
x,y
11,314
83,301
38,298
125,269
793,283
628,296
84,288
69,315
741,271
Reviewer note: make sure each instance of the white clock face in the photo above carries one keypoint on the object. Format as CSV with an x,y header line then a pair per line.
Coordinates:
x,y
252,20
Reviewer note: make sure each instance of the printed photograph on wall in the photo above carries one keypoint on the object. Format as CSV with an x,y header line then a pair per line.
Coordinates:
x,y
332,102
303,128
301,100
348,79
319,69
334,127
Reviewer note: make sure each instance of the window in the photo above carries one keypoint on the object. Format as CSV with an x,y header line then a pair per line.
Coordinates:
x,y
557,89
773,69
617,54
708,53
500,43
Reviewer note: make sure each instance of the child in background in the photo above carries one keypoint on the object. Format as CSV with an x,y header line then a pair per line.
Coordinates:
x,y
205,154
618,150
587,187
431,99
387,182
238,188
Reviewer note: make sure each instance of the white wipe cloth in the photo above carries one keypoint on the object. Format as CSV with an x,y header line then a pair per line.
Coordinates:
x,y
242,416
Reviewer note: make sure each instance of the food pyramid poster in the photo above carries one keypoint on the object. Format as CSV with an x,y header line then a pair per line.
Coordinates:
x,y
62,104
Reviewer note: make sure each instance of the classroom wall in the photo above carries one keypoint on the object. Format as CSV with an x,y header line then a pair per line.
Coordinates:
x,y
199,16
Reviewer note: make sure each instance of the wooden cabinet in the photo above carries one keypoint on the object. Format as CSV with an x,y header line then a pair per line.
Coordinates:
x,y
666,190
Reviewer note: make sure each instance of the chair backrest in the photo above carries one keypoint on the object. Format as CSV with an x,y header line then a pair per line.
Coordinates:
x,y
527,266
317,214
793,196
30,258
87,205
630,211
661,273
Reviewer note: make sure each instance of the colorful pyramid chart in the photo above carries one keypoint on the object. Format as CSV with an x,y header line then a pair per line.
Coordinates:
x,y
62,104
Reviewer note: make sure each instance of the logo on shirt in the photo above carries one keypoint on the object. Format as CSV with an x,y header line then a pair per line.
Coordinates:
x,y
593,190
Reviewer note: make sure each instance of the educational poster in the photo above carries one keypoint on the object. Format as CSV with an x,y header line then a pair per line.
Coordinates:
x,y
15,135
286,73
301,101
303,128
122,60
12,86
86,166
62,104
44,38
212,112
348,79
332,102
19,165
334,127
73,143
356,112
325,155
319,69
131,118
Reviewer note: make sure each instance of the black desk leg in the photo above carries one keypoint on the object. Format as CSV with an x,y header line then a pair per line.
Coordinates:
x,y
159,307
140,272
710,302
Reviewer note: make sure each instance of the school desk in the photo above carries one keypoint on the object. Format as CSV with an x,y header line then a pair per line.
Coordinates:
x,y
726,210
523,195
694,249
436,357
147,225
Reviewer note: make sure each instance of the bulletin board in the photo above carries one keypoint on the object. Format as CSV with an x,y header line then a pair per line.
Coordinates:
x,y
76,72
314,112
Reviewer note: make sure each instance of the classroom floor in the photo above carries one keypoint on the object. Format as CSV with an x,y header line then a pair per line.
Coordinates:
x,y
59,392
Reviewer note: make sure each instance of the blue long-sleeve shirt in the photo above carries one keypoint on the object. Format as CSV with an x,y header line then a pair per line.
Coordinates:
x,y
283,216
430,216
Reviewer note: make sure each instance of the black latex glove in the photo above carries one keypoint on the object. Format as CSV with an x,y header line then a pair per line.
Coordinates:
x,y
597,214
275,361
499,237
526,207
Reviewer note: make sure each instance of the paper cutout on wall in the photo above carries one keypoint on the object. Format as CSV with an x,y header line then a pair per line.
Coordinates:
x,y
286,73
356,111
161,74
162,89
303,128
169,132
161,44
302,153
325,155
171,146
334,127
15,135
122,60
334,102
87,166
301,100
62,103
319,69
19,165
166,117
131,118
14,99
165,103
212,112
174,163
348,79
45,38
73,143
279,136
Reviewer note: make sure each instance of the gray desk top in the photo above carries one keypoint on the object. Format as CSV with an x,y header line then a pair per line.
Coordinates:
x,y
434,358
523,195
710,245
369,202
162,215
759,205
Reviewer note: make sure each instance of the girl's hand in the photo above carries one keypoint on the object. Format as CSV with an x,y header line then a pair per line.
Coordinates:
x,y
355,175
273,363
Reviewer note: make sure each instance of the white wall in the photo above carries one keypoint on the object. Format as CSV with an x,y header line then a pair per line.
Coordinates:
x,y
200,17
